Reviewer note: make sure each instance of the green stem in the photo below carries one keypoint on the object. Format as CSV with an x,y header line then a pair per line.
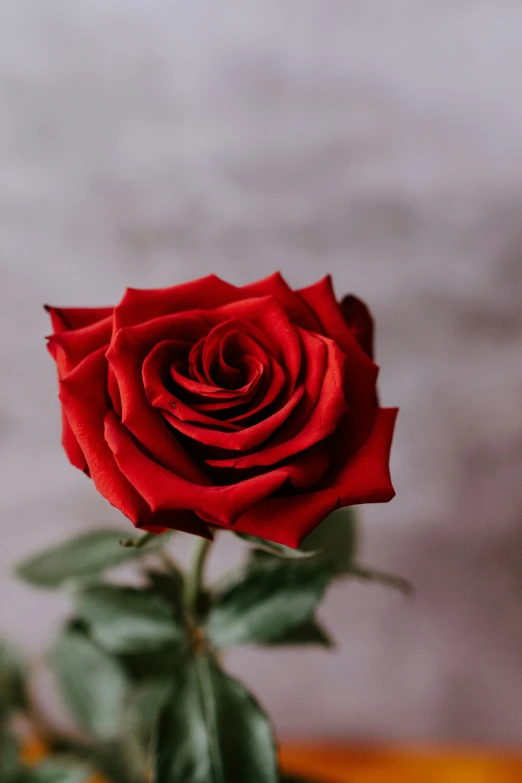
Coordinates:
x,y
145,539
137,543
194,579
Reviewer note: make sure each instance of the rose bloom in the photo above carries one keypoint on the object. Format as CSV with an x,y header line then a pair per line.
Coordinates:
x,y
252,409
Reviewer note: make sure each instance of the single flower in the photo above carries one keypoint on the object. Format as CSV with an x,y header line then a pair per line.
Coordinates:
x,y
204,404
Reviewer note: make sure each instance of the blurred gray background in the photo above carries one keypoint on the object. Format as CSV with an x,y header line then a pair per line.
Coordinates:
x,y
144,143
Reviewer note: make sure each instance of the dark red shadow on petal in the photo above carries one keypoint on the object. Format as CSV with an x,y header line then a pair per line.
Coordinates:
x,y
359,320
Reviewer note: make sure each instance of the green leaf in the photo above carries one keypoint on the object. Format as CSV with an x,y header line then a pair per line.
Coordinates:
x,y
266,600
56,771
149,699
93,685
335,539
120,761
169,585
161,663
309,632
271,548
127,620
213,731
82,556
13,675
383,578
9,755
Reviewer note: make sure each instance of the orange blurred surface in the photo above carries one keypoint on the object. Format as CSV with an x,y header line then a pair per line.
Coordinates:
x,y
34,750
338,764
323,763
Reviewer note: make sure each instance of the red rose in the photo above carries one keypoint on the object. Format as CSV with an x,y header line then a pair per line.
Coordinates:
x,y
250,408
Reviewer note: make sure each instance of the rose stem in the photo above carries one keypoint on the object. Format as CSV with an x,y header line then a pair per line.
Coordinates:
x,y
137,543
194,578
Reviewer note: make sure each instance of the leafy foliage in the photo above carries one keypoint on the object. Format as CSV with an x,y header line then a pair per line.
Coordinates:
x,y
266,600
213,731
142,664
56,771
9,753
308,633
127,620
92,683
13,674
83,556
277,550
335,540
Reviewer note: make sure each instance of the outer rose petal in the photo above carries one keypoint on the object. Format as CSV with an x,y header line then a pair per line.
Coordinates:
x,y
359,320
360,383
364,478
71,446
64,319
84,398
138,306
209,292
68,349
321,298
185,521
275,285
83,394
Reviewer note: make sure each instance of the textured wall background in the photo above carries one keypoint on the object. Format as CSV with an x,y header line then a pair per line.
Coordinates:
x,y
143,143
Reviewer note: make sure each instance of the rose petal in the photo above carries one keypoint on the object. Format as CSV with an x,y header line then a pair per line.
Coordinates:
x,y
309,467
206,390
195,362
319,413
160,397
260,396
226,345
247,437
287,520
321,298
274,331
84,401
114,391
138,306
125,356
69,348
359,320
275,285
184,521
364,478
274,384
360,384
65,318
164,490
71,446
83,393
